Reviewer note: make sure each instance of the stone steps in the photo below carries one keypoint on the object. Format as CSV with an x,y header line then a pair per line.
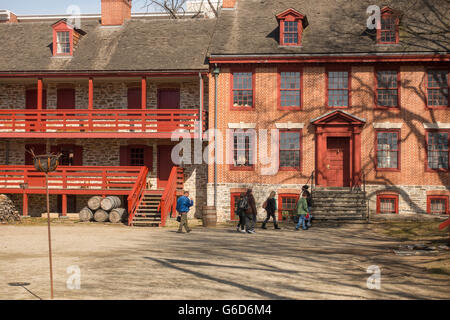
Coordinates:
x,y
338,204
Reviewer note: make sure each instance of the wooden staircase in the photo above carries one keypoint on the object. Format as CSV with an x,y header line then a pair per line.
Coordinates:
x,y
147,214
155,206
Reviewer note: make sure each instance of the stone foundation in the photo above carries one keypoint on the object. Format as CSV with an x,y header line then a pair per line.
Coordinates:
x,y
412,199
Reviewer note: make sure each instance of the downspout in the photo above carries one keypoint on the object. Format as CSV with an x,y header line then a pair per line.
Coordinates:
x,y
216,75
201,106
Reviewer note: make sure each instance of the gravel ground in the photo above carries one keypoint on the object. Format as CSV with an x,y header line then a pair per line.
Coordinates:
x,y
117,262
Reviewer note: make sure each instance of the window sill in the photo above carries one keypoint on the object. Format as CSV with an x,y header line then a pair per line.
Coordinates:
x,y
387,170
391,108
249,168
233,108
289,108
290,169
437,107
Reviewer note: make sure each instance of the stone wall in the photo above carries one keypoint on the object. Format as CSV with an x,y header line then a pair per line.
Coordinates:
x,y
107,95
106,152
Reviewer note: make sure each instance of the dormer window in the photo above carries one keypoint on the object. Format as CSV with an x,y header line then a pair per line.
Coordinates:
x,y
63,44
292,24
388,31
65,38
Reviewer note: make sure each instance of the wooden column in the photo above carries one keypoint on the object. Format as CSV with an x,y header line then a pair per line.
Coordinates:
x,y
91,94
320,145
357,153
144,93
64,205
39,94
25,205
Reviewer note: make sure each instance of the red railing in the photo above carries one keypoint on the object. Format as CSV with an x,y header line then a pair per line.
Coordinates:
x,y
169,198
100,121
137,194
70,179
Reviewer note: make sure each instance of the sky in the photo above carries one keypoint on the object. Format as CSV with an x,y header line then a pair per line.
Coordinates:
x,y
23,7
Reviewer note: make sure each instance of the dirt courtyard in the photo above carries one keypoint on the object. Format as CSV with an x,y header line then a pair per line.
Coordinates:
x,y
118,262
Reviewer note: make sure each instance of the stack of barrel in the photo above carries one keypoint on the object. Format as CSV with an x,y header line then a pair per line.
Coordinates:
x,y
103,210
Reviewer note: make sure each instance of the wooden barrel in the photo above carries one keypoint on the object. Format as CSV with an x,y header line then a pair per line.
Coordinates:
x,y
101,215
209,217
86,214
111,202
94,203
117,215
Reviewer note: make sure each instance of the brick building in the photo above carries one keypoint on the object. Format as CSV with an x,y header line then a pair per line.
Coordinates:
x,y
354,107
342,106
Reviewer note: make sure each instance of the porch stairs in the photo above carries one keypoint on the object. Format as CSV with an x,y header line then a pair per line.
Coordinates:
x,y
149,212
339,204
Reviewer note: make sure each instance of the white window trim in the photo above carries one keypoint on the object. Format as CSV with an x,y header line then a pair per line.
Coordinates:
x,y
387,125
241,125
289,125
438,125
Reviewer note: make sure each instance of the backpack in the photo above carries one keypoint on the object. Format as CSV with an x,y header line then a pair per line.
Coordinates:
x,y
243,204
264,205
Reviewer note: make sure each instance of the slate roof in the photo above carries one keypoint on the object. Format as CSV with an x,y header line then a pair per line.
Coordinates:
x,y
138,45
335,27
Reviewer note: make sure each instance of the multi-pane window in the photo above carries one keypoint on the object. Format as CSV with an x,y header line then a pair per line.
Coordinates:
x,y
437,147
242,89
438,204
388,31
387,204
290,32
137,157
387,88
63,42
242,149
289,149
287,204
437,87
338,88
387,150
290,89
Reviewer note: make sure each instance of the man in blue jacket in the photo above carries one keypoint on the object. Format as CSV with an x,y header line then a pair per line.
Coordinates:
x,y
184,203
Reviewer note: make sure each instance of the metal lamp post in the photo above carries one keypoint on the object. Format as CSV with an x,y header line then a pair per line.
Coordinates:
x,y
47,163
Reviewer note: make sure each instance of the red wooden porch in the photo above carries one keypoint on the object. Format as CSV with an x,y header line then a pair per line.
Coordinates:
x,y
100,123
85,180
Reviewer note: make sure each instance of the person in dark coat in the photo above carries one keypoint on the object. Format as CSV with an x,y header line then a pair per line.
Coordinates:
x,y
240,212
271,208
251,212
309,201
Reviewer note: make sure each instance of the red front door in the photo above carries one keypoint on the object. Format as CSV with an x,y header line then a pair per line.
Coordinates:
x,y
165,165
168,99
337,166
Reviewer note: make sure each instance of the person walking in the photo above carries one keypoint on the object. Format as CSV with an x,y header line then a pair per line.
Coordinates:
x,y
309,201
240,212
270,205
184,203
302,211
251,212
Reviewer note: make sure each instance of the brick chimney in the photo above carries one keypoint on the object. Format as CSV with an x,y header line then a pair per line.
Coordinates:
x,y
229,4
7,16
115,12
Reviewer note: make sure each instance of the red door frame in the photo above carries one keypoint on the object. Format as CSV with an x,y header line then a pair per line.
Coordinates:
x,y
343,125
